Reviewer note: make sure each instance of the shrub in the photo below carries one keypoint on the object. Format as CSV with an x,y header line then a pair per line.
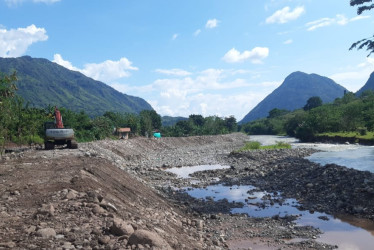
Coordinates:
x,y
362,130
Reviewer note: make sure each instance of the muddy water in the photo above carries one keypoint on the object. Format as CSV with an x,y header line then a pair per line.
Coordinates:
x,y
345,232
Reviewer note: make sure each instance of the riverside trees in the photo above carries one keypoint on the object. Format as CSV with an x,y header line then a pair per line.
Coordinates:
x,y
349,114
22,124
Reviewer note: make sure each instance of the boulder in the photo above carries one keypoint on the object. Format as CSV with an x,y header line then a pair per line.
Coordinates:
x,y
46,232
143,237
121,228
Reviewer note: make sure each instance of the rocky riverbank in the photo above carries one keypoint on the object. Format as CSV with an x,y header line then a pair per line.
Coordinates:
x,y
117,195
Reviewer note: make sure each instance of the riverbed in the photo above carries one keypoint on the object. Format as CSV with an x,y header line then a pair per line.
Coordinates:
x,y
345,231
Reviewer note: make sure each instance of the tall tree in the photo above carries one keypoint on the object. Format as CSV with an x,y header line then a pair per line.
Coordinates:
x,y
312,103
363,5
7,94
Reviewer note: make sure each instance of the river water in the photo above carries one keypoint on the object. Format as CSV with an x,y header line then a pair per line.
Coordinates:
x,y
345,232
348,155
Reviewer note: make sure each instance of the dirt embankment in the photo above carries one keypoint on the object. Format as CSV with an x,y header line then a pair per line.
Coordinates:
x,y
116,195
82,198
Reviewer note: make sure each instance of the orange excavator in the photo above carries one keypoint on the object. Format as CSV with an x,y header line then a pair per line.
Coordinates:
x,y
57,134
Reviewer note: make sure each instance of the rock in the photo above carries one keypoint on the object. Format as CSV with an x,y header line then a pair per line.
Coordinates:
x,y
144,237
72,194
46,209
30,229
98,210
46,233
67,245
309,185
103,240
16,192
121,228
9,244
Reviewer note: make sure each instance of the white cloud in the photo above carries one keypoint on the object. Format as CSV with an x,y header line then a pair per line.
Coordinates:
x,y
211,23
353,78
285,15
359,18
175,36
197,32
337,20
256,55
289,41
173,72
106,71
57,58
15,42
208,92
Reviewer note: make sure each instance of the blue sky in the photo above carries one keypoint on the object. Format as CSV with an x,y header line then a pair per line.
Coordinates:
x,y
209,57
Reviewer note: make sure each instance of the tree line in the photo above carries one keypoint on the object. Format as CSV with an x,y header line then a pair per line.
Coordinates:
x,y
347,114
22,124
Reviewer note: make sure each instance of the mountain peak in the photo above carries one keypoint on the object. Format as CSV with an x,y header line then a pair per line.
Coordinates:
x,y
294,92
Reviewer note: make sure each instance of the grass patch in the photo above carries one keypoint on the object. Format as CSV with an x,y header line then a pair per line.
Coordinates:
x,y
254,145
369,135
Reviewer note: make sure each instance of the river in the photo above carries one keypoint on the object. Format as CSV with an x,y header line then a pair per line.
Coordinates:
x,y
348,155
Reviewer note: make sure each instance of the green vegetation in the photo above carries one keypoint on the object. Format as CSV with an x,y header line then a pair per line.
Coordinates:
x,y
168,121
349,116
22,124
293,94
42,82
254,145
360,134
198,125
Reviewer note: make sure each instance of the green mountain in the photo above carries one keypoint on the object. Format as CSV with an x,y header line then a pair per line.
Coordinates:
x,y
42,83
369,85
168,121
294,92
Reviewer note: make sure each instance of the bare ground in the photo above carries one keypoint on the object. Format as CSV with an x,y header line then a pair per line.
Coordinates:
x,y
116,195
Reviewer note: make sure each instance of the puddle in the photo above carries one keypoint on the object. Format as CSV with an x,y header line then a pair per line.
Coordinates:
x,y
345,232
184,172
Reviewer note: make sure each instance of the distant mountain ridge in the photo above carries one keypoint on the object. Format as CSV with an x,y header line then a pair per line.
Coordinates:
x,y
294,92
42,83
369,85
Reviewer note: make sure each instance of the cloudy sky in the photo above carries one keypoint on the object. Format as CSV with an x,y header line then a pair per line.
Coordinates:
x,y
211,57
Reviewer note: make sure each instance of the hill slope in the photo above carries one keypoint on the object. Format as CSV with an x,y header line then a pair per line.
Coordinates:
x,y
369,85
294,92
42,83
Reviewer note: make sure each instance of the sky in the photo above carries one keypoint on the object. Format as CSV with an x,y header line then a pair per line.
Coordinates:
x,y
209,57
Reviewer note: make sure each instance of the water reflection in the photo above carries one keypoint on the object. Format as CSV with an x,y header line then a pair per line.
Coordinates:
x,y
346,232
184,172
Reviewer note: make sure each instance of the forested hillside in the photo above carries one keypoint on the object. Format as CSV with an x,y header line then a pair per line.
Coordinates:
x,y
369,85
42,83
349,116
